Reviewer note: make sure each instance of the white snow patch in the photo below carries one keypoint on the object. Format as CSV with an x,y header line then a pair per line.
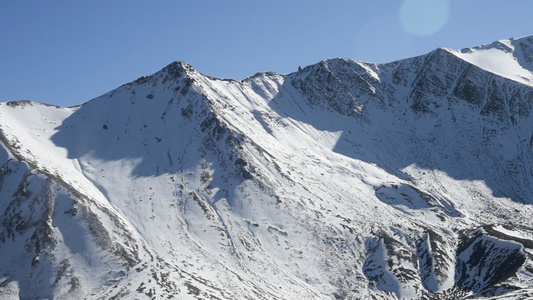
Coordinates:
x,y
497,61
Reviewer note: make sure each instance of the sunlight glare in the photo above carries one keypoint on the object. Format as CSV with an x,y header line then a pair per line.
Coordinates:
x,y
424,17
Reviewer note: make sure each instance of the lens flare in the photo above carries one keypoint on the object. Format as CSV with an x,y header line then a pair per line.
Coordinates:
x,y
424,17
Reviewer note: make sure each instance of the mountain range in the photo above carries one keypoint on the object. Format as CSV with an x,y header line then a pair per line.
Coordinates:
x,y
342,180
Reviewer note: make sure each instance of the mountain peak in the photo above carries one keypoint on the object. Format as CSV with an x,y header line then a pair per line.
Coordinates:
x,y
407,180
511,58
178,68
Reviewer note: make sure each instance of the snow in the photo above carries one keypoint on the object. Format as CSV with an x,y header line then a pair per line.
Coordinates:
x,y
508,232
196,187
498,60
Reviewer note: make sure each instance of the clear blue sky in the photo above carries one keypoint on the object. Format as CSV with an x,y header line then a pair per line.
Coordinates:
x,y
68,52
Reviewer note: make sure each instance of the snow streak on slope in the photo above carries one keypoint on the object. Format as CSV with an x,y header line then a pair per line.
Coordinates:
x,y
409,180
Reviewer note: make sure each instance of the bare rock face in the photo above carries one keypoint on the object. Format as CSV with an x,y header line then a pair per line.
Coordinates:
x,y
344,180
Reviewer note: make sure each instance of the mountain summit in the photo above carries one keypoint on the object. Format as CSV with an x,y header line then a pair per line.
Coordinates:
x,y
343,180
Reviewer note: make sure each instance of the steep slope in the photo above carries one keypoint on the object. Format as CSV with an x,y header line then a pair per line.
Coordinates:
x,y
343,180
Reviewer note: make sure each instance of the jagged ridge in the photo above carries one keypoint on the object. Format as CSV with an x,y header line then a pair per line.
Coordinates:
x,y
341,180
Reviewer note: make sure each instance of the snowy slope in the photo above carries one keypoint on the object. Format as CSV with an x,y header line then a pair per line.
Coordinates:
x,y
344,180
507,58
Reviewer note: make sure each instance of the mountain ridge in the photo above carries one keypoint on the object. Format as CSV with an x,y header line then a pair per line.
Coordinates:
x,y
342,180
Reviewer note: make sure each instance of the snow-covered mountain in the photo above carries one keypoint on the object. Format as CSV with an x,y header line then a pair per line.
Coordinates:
x,y
343,180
